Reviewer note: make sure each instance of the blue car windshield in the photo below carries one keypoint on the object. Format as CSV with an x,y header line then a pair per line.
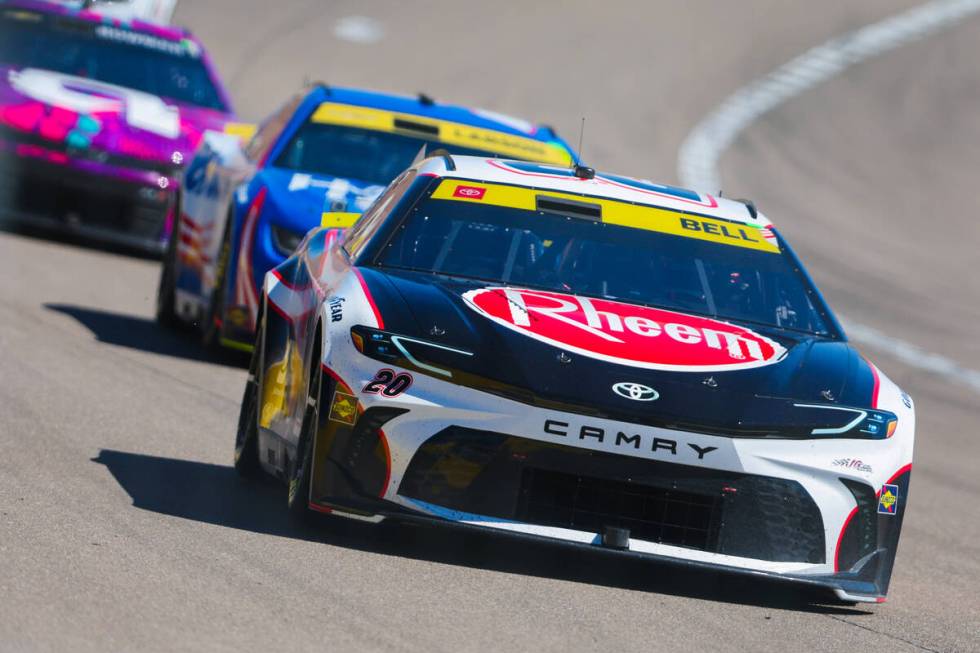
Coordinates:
x,y
570,254
366,155
114,55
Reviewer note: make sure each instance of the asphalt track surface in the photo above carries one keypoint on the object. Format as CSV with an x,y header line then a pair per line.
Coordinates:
x,y
123,527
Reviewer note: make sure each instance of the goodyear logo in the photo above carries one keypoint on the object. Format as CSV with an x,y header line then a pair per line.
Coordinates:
x,y
888,501
343,409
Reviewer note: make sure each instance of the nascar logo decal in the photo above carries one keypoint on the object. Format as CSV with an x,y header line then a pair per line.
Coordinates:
x,y
615,332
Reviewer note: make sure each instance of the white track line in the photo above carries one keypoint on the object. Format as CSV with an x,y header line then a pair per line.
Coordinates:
x,y
697,160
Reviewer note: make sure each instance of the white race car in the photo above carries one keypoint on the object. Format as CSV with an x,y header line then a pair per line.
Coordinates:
x,y
603,361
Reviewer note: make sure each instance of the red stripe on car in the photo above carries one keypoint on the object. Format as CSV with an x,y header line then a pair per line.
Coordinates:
x,y
370,299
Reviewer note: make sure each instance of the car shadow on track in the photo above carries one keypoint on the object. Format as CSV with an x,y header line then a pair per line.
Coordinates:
x,y
26,230
214,494
145,334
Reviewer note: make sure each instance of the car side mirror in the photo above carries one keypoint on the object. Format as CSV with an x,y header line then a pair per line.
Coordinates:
x,y
338,220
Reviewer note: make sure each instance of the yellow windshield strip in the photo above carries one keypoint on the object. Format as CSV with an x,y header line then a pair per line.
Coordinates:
x,y
636,216
449,133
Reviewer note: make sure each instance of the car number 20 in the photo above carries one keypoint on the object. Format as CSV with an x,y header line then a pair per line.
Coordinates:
x,y
388,383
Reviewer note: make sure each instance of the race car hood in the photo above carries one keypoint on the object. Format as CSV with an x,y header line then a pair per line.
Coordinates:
x,y
99,121
301,198
703,374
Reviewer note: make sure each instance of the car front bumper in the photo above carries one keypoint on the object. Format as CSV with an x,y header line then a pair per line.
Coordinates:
x,y
51,191
767,507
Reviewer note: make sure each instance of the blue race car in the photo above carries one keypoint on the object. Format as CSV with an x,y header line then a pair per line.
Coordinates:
x,y
322,158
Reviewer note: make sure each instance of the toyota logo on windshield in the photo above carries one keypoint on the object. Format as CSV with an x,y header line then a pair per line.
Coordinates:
x,y
636,391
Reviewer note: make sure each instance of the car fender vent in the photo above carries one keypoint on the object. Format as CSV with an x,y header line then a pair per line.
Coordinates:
x,y
571,208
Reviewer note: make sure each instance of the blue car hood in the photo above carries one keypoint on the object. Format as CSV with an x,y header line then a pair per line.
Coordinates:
x,y
301,198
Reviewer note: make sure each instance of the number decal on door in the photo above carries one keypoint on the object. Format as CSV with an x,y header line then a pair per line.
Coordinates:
x,y
387,383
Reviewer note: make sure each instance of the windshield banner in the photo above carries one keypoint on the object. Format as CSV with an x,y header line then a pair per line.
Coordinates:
x,y
624,214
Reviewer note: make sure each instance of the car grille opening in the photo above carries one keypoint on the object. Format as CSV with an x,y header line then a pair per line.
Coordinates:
x,y
655,514
508,477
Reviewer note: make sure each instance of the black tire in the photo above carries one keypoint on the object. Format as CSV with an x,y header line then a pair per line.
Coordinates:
x,y
301,467
166,313
247,438
210,331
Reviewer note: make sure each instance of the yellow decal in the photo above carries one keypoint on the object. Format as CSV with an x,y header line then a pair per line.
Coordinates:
x,y
23,15
335,219
242,130
443,131
278,388
624,214
343,409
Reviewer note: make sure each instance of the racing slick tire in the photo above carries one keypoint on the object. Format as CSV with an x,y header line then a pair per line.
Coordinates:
x,y
247,438
211,326
301,467
166,309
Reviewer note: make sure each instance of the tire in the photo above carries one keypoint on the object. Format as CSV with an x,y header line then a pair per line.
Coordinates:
x,y
166,310
247,438
210,331
301,468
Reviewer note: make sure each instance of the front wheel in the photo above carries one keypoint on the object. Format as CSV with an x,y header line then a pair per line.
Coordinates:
x,y
247,438
301,468
166,313
211,327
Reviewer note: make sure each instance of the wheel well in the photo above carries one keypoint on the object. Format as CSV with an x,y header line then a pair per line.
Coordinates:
x,y
315,350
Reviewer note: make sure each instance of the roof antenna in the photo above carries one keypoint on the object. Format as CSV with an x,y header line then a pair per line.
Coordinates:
x,y
581,171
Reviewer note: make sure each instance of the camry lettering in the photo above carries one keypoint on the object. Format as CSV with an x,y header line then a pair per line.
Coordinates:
x,y
622,438
641,336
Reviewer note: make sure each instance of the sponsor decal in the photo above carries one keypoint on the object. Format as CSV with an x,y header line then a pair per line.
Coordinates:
x,y
625,438
447,133
141,39
635,391
907,400
388,383
715,228
853,463
622,213
469,192
336,305
238,316
888,501
625,334
343,408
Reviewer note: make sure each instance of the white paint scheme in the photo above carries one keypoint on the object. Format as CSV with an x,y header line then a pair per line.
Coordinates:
x,y
223,165
435,403
494,170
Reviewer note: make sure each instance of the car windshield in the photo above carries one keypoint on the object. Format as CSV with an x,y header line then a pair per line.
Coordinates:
x,y
719,269
114,55
367,155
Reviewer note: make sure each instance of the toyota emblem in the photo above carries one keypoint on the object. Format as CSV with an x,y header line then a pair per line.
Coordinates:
x,y
636,391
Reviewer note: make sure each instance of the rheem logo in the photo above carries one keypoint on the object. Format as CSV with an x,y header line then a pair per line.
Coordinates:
x,y
621,333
